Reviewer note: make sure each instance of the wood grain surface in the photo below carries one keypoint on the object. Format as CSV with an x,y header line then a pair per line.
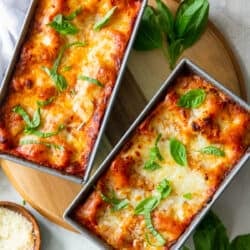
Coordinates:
x,y
145,73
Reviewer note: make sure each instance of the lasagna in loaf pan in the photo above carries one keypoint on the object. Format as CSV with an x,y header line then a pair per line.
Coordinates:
x,y
169,168
55,101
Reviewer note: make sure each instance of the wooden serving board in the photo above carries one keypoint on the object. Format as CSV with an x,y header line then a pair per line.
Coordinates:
x,y
145,73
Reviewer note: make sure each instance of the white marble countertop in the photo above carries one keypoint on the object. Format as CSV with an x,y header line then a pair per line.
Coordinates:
x,y
232,17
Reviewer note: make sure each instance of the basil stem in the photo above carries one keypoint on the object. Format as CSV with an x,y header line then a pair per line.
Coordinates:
x,y
91,80
103,22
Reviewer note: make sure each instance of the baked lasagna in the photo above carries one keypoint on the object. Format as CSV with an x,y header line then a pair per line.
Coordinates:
x,y
63,81
169,169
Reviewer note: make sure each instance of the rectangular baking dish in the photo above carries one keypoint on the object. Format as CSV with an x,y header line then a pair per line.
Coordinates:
x,y
184,66
8,75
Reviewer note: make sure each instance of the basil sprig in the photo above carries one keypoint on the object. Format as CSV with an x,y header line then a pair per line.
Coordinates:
x,y
178,152
182,31
211,234
192,99
104,21
30,124
91,80
58,79
213,150
63,25
154,155
116,204
146,206
47,144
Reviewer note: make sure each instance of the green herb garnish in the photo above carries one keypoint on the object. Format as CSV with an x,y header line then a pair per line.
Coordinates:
x,y
47,144
178,152
146,206
149,33
154,155
188,196
46,102
23,202
161,241
58,79
63,25
180,32
211,234
117,204
30,124
41,134
213,150
164,188
103,22
91,80
192,99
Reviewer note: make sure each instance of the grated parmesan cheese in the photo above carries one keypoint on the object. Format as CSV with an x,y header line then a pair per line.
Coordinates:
x,y
16,232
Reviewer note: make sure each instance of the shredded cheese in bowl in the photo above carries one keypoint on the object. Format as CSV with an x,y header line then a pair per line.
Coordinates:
x,y
16,232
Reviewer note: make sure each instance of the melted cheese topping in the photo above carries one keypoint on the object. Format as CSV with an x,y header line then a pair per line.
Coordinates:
x,y
81,106
218,121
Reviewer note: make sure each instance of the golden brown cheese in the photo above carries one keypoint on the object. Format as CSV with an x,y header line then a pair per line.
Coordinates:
x,y
78,109
218,121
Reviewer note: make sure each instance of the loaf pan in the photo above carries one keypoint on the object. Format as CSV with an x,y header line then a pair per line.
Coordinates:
x,y
8,76
185,66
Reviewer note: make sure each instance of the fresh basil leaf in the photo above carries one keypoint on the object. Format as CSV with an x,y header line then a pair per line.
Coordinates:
x,y
241,242
149,34
73,15
186,16
60,82
164,188
151,165
211,234
188,196
103,22
154,155
161,241
30,124
46,102
198,26
166,19
63,26
175,50
155,152
91,80
117,204
212,150
44,134
192,99
147,205
185,248
47,144
178,152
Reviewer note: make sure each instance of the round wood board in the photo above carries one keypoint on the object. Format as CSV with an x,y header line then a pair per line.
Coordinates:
x,y
145,72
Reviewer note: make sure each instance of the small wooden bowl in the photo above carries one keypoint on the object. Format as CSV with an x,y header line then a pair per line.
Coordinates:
x,y
24,212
